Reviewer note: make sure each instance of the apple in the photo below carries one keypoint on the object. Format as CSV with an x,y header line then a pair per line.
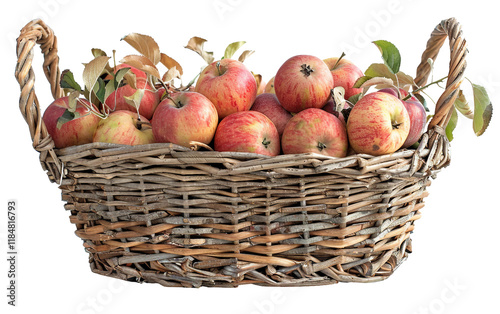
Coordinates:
x,y
394,92
150,99
124,127
345,74
247,131
315,131
268,104
302,82
417,113
229,85
74,132
270,86
418,120
378,124
183,117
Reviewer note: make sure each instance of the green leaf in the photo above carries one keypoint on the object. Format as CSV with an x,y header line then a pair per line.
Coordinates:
x,y
355,98
361,81
390,55
68,81
452,124
66,117
483,109
119,75
232,48
100,90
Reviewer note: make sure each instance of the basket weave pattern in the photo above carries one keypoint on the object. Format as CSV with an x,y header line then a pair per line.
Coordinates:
x,y
162,213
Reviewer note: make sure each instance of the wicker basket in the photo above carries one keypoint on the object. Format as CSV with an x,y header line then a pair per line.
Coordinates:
x,y
165,214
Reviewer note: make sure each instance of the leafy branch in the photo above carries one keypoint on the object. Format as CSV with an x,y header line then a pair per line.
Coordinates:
x,y
388,74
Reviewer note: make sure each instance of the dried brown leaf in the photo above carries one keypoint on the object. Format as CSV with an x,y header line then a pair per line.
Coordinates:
x,y
245,54
145,45
93,70
171,74
142,63
196,44
170,63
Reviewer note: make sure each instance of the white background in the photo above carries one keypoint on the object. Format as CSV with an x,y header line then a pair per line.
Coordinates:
x,y
454,265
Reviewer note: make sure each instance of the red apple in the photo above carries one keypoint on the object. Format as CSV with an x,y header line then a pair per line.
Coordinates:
x,y
268,104
345,74
418,120
185,117
247,131
394,92
74,132
416,111
229,85
315,131
124,127
302,82
378,124
150,99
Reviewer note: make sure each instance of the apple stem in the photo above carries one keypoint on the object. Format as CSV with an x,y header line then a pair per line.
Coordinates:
x,y
306,69
321,146
142,124
266,142
338,61
396,125
218,67
179,104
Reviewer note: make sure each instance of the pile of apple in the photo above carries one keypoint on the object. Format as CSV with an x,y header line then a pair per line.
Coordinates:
x,y
310,106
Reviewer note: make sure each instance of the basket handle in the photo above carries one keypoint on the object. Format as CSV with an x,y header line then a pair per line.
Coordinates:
x,y
452,30
37,32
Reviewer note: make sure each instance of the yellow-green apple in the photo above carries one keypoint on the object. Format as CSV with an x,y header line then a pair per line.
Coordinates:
x,y
150,98
270,86
183,117
378,124
247,131
303,82
229,85
315,131
268,104
345,74
124,127
416,111
78,131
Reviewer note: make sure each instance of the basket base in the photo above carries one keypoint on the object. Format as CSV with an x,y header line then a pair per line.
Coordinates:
x,y
178,271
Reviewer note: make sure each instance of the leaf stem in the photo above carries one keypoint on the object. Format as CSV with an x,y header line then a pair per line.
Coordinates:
x,y
424,87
